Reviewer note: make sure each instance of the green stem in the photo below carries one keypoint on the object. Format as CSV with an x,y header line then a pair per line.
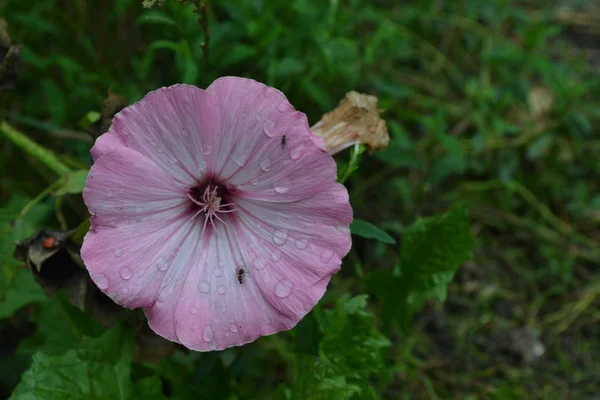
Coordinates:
x,y
40,153
40,197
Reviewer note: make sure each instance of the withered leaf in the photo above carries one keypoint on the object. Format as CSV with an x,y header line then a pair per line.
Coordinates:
x,y
355,120
112,105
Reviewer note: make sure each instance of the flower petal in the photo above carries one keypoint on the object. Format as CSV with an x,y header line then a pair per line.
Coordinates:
x,y
124,186
177,127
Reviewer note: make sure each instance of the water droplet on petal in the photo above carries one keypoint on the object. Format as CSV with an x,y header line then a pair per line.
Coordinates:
x,y
120,205
233,328
265,165
222,263
283,288
227,334
281,189
269,92
125,273
102,281
206,149
296,152
221,289
159,303
254,181
326,256
241,161
259,263
213,346
109,194
184,132
161,264
173,160
269,128
207,334
283,107
204,287
118,252
301,244
193,310
280,237
217,272
276,255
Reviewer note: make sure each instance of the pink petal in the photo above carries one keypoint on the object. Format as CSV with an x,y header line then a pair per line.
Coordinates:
x,y
177,127
254,155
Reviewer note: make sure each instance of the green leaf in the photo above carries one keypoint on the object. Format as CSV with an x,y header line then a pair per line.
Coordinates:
x,y
73,183
432,249
82,229
22,290
99,369
368,230
155,17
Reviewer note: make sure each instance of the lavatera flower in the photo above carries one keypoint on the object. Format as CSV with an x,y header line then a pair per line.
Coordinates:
x,y
216,211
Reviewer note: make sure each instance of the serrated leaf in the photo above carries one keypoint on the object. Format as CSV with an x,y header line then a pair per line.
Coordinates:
x,y
369,231
22,290
432,249
100,368
74,183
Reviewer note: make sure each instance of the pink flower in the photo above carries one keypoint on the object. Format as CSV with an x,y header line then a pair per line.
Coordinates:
x,y
216,211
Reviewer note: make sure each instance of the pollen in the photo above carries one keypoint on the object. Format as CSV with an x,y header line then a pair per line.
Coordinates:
x,y
211,206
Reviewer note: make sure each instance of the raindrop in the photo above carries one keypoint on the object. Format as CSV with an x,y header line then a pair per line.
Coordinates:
x,y
281,189
269,128
276,255
297,152
204,287
227,334
280,237
326,256
193,310
207,149
161,264
301,244
283,107
118,252
217,272
265,165
283,289
120,205
159,303
213,346
173,160
207,334
269,92
233,328
221,289
254,181
239,160
125,273
222,263
102,281
109,194
259,263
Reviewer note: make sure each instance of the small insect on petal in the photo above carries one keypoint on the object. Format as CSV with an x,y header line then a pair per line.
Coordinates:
x,y
283,142
240,275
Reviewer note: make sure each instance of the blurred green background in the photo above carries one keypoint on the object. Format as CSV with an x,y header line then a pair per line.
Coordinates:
x,y
495,104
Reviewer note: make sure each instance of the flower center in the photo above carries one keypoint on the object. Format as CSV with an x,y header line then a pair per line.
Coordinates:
x,y
210,200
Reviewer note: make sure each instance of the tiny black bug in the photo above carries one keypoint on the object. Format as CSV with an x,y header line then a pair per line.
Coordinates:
x,y
240,275
283,141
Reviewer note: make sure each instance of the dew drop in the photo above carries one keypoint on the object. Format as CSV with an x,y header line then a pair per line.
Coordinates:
x,y
281,189
259,263
120,205
221,289
283,289
283,107
233,328
184,132
227,334
207,334
254,181
276,255
173,160
296,152
269,92
102,282
217,272
193,310
301,244
109,194
125,273
118,252
213,346
280,237
269,128
159,303
161,264
326,256
241,161
265,165
204,287
207,149
222,263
